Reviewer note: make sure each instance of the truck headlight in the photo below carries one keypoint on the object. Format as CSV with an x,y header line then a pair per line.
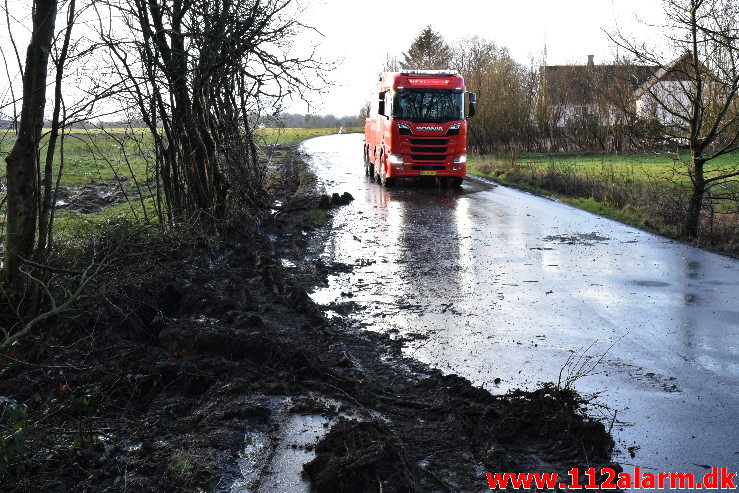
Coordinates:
x,y
404,129
395,159
460,159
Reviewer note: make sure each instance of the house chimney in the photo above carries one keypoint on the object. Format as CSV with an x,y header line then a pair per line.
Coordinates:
x,y
590,60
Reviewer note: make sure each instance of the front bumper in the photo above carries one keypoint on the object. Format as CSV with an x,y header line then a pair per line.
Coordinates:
x,y
414,170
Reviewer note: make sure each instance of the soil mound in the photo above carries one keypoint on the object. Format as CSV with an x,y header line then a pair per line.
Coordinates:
x,y
363,457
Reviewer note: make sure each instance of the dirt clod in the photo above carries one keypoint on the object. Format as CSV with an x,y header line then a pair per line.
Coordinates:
x,y
362,457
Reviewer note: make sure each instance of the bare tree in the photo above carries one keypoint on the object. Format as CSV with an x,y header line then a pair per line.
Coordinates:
x,y
45,218
695,96
392,64
22,161
197,71
505,91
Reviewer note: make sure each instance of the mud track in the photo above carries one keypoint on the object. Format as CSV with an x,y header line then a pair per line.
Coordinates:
x,y
157,388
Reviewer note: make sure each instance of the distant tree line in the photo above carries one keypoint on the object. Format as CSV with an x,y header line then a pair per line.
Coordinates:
x,y
281,120
518,110
296,120
582,108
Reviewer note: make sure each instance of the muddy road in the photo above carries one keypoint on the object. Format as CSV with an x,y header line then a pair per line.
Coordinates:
x,y
508,289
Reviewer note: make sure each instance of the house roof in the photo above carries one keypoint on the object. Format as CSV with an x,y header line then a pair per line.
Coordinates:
x,y
680,69
582,84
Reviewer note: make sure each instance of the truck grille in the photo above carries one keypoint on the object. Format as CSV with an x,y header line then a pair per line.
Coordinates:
x,y
428,168
428,149
428,157
429,142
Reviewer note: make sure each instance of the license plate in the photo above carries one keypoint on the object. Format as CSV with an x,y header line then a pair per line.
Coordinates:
x,y
428,173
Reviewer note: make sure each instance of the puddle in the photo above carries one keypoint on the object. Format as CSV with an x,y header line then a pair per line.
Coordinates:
x,y
295,448
89,199
324,296
272,462
253,459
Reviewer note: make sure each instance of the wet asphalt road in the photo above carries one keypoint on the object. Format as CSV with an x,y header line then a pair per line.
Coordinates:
x,y
489,282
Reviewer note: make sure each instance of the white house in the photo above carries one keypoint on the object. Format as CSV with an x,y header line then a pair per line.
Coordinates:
x,y
665,96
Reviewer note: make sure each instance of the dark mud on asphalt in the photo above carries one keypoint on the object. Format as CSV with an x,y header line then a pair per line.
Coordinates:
x,y
194,381
509,289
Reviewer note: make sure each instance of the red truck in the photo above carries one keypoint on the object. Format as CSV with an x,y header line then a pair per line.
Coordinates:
x,y
417,127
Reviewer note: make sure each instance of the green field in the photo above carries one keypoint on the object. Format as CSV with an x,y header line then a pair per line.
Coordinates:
x,y
95,156
624,168
105,158
627,170
624,187
295,135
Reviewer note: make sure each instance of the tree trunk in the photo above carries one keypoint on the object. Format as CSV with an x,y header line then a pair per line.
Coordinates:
x,y
47,203
692,223
21,162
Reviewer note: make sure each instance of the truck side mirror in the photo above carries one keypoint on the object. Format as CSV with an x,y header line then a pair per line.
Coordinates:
x,y
473,104
381,108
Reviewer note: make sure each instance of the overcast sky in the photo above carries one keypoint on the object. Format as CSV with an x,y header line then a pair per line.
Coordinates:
x,y
358,35
361,34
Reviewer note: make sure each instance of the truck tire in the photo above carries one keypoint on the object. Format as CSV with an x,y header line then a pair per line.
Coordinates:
x,y
386,182
365,156
456,182
369,168
375,169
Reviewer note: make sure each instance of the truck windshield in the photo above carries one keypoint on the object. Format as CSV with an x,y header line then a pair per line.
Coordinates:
x,y
428,105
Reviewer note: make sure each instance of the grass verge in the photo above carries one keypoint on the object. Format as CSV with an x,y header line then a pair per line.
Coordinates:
x,y
649,191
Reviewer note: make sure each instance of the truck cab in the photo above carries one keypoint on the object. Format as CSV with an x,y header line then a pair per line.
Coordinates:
x,y
417,127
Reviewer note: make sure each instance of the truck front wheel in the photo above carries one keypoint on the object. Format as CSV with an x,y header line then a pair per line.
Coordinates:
x,y
386,182
456,182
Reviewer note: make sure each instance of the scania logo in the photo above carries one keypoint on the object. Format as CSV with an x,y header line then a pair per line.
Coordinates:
x,y
430,129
